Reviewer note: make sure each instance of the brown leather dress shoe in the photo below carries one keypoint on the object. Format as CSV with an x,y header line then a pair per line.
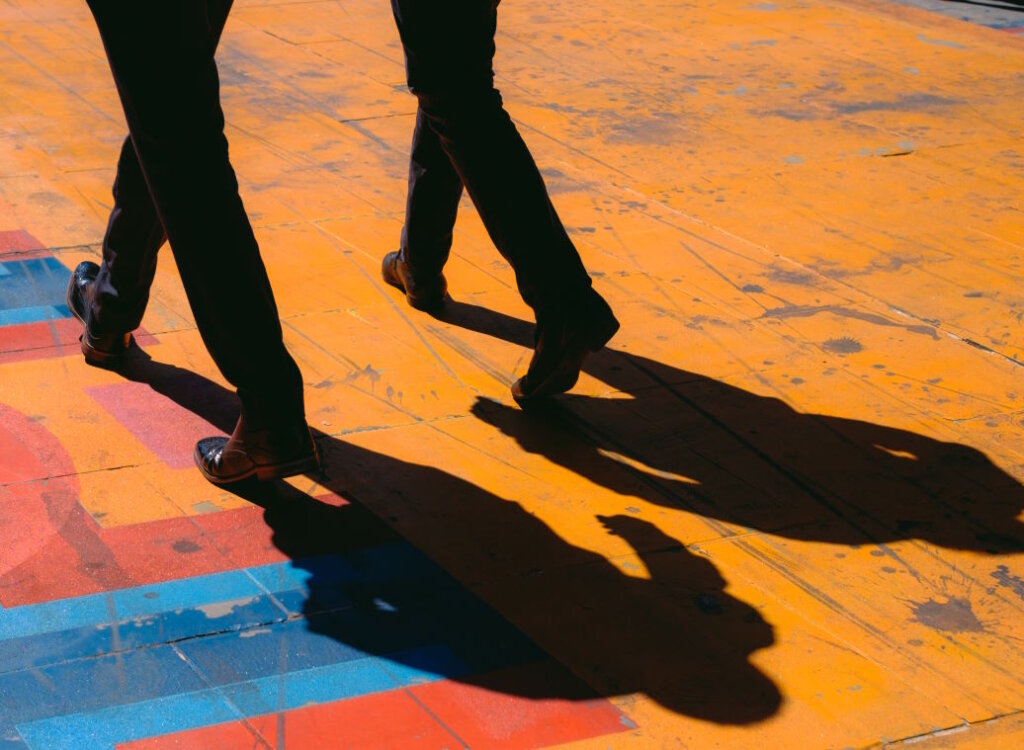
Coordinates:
x,y
423,294
563,340
264,454
102,349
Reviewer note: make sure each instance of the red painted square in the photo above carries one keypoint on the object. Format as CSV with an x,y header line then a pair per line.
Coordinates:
x,y
500,717
21,244
384,721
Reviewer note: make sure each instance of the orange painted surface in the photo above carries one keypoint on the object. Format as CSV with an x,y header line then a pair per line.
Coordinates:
x,y
783,509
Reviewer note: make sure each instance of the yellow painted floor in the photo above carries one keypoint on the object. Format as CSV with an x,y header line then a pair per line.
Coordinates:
x,y
782,509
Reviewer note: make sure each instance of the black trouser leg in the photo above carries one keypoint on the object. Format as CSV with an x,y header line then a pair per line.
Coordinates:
x,y
134,233
435,189
449,49
161,55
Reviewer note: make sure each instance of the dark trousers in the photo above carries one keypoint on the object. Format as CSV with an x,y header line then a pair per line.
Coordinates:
x,y
465,138
175,182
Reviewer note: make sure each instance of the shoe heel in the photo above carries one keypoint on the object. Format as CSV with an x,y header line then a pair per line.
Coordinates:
x,y
602,334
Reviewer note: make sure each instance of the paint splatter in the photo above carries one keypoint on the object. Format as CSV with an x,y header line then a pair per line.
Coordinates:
x,y
844,345
952,616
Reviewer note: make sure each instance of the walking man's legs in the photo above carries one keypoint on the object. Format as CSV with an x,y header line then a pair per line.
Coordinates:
x,y
161,55
463,133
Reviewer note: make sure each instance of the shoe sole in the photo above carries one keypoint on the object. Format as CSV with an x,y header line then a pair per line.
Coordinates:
x,y
93,356
265,472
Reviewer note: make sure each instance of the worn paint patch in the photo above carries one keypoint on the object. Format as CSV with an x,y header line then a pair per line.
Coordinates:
x,y
952,616
216,610
1005,579
940,42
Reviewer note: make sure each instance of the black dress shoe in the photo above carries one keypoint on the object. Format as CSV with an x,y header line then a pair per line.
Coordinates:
x,y
423,294
99,348
563,340
264,454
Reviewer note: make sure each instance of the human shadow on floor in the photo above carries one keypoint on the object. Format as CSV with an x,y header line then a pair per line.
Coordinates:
x,y
676,636
682,440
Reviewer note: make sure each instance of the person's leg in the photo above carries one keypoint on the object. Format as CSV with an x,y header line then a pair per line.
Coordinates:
x,y
432,203
134,235
449,48
161,55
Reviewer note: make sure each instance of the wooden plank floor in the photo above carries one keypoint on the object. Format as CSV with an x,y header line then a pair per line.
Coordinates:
x,y
782,509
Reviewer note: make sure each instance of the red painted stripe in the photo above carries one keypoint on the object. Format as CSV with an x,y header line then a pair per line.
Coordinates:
x,y
68,554
372,722
499,717
53,338
405,719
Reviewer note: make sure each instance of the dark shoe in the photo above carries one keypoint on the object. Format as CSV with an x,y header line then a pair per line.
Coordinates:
x,y
98,348
423,294
264,454
563,340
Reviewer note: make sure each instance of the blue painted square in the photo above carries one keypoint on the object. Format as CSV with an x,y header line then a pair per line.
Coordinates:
x,y
33,290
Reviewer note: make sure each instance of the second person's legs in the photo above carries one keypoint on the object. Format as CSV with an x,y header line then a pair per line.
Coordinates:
x,y
449,48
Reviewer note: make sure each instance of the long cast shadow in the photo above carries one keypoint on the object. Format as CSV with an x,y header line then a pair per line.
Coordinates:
x,y
677,637
682,440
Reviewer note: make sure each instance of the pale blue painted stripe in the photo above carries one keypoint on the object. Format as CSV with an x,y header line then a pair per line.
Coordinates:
x,y
21,315
132,603
105,728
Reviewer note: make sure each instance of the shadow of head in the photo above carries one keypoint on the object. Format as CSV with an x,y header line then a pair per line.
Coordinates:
x,y
577,626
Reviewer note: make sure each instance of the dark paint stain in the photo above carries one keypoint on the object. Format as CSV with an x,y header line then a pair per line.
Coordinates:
x,y
844,345
186,546
902,104
806,311
657,129
974,295
752,288
789,114
802,278
953,616
1012,582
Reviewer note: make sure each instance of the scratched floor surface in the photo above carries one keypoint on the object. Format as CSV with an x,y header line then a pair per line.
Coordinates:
x,y
782,509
